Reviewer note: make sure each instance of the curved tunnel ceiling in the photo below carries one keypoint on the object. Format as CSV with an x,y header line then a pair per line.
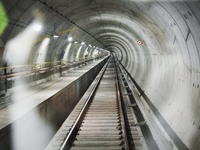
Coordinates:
x,y
165,65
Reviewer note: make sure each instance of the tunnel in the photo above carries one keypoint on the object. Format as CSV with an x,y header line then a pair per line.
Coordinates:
x,y
156,41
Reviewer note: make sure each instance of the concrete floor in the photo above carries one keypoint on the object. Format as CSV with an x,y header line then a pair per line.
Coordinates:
x,y
26,103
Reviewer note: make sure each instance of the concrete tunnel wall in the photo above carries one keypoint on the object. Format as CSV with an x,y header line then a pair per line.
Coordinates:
x,y
165,65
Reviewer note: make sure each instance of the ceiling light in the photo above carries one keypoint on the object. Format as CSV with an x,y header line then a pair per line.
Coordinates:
x,y
55,36
82,43
70,39
37,27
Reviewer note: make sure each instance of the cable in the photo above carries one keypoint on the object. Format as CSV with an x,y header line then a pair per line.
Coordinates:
x,y
56,11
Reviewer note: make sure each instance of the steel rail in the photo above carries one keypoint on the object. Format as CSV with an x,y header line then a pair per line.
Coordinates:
x,y
122,112
74,130
151,143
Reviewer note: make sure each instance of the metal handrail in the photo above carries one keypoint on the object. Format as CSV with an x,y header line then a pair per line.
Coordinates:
x,y
34,68
42,63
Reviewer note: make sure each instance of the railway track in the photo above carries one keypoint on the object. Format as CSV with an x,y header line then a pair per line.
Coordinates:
x,y
102,121
101,127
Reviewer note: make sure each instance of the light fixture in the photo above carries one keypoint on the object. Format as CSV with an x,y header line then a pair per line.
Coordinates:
x,y
55,36
37,26
70,39
75,42
82,43
90,45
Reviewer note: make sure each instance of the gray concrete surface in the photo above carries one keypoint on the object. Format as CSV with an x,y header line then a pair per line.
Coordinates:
x,y
36,113
165,65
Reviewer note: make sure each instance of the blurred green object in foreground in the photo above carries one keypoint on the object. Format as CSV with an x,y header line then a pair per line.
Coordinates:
x,y
3,18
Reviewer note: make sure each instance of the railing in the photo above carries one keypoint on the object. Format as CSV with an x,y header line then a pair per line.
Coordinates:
x,y
48,68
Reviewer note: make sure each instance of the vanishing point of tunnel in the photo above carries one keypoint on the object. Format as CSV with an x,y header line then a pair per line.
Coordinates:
x,y
99,74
